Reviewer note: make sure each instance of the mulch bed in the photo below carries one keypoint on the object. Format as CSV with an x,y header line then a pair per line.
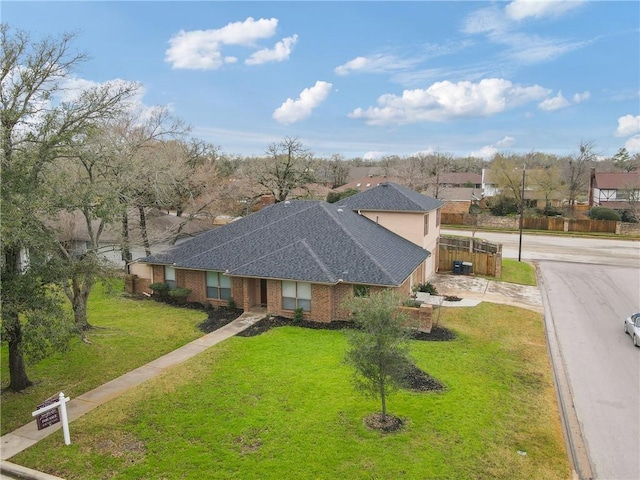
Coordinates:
x,y
219,317
418,381
375,421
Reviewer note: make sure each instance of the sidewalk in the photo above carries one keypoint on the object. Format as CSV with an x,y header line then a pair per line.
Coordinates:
x,y
26,436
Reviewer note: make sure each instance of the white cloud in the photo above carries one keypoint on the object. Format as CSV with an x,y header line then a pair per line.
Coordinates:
x,y
278,53
633,144
488,151
506,142
532,49
379,63
294,110
628,125
201,49
554,103
500,27
485,152
485,20
446,100
373,155
581,97
521,9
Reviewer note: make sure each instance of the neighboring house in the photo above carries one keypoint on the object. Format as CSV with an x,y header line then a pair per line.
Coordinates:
x,y
614,190
356,173
460,180
306,254
162,230
365,183
456,199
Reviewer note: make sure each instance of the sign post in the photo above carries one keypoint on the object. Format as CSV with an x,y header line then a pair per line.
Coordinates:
x,y
53,411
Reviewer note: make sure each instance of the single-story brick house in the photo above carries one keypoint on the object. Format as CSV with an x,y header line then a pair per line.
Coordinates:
x,y
306,254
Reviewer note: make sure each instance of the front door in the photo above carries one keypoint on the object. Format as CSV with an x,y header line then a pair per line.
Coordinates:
x,y
263,292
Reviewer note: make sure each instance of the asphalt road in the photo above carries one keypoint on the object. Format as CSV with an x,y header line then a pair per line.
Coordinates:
x,y
590,285
597,251
588,304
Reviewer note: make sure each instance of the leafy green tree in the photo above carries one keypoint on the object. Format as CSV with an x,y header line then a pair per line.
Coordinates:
x,y
626,162
378,348
38,125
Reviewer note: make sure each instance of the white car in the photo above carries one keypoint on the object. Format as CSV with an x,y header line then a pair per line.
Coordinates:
x,y
632,327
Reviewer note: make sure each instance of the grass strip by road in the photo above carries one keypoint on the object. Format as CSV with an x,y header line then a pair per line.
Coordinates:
x,y
132,332
282,405
521,273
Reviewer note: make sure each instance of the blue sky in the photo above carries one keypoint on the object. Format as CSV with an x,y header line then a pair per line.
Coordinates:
x,y
370,79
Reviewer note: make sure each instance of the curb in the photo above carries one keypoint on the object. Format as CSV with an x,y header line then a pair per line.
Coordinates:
x,y
12,470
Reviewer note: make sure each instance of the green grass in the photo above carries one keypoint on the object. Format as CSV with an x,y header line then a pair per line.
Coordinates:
x,y
131,333
521,273
282,405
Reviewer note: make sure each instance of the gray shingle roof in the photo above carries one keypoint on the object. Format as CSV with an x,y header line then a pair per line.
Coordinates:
x,y
391,197
310,241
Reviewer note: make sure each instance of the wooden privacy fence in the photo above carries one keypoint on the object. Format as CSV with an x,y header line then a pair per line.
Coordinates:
x,y
486,257
557,224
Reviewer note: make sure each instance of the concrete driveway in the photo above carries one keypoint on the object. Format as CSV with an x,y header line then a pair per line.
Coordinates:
x,y
483,289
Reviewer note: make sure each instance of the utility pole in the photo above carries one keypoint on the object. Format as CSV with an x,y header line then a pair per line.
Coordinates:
x,y
524,169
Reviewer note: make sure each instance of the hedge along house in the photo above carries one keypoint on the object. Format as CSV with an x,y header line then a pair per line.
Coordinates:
x,y
297,254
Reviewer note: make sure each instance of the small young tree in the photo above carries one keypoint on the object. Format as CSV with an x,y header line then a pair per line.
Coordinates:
x,y
378,348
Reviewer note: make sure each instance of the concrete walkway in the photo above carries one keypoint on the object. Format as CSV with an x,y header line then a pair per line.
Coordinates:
x,y
26,436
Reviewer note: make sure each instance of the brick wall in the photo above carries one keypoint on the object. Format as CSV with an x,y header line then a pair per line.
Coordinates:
x,y
158,274
420,318
195,281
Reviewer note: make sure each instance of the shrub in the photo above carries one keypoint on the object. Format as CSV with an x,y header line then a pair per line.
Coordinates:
x,y
298,315
231,303
426,288
410,302
501,205
160,289
179,295
603,213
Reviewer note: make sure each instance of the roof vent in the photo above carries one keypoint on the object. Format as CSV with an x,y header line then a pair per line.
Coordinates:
x,y
340,210
287,202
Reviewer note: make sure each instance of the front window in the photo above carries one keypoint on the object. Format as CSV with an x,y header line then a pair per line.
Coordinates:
x,y
296,295
218,286
362,291
170,276
426,224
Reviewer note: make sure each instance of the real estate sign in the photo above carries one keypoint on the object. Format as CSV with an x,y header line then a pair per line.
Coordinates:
x,y
50,417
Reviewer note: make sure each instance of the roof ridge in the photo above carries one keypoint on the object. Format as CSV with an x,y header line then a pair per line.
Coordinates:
x,y
307,247
325,206
260,228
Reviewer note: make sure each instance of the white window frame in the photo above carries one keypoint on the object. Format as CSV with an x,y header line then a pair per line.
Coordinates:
x,y
296,295
170,277
219,285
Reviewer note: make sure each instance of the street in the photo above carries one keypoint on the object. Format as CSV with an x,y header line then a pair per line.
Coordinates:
x,y
589,286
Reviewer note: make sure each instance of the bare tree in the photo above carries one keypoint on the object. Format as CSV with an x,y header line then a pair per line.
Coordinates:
x,y
577,170
288,166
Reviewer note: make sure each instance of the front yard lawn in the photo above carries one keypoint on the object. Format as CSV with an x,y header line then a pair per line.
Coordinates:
x,y
282,405
132,332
